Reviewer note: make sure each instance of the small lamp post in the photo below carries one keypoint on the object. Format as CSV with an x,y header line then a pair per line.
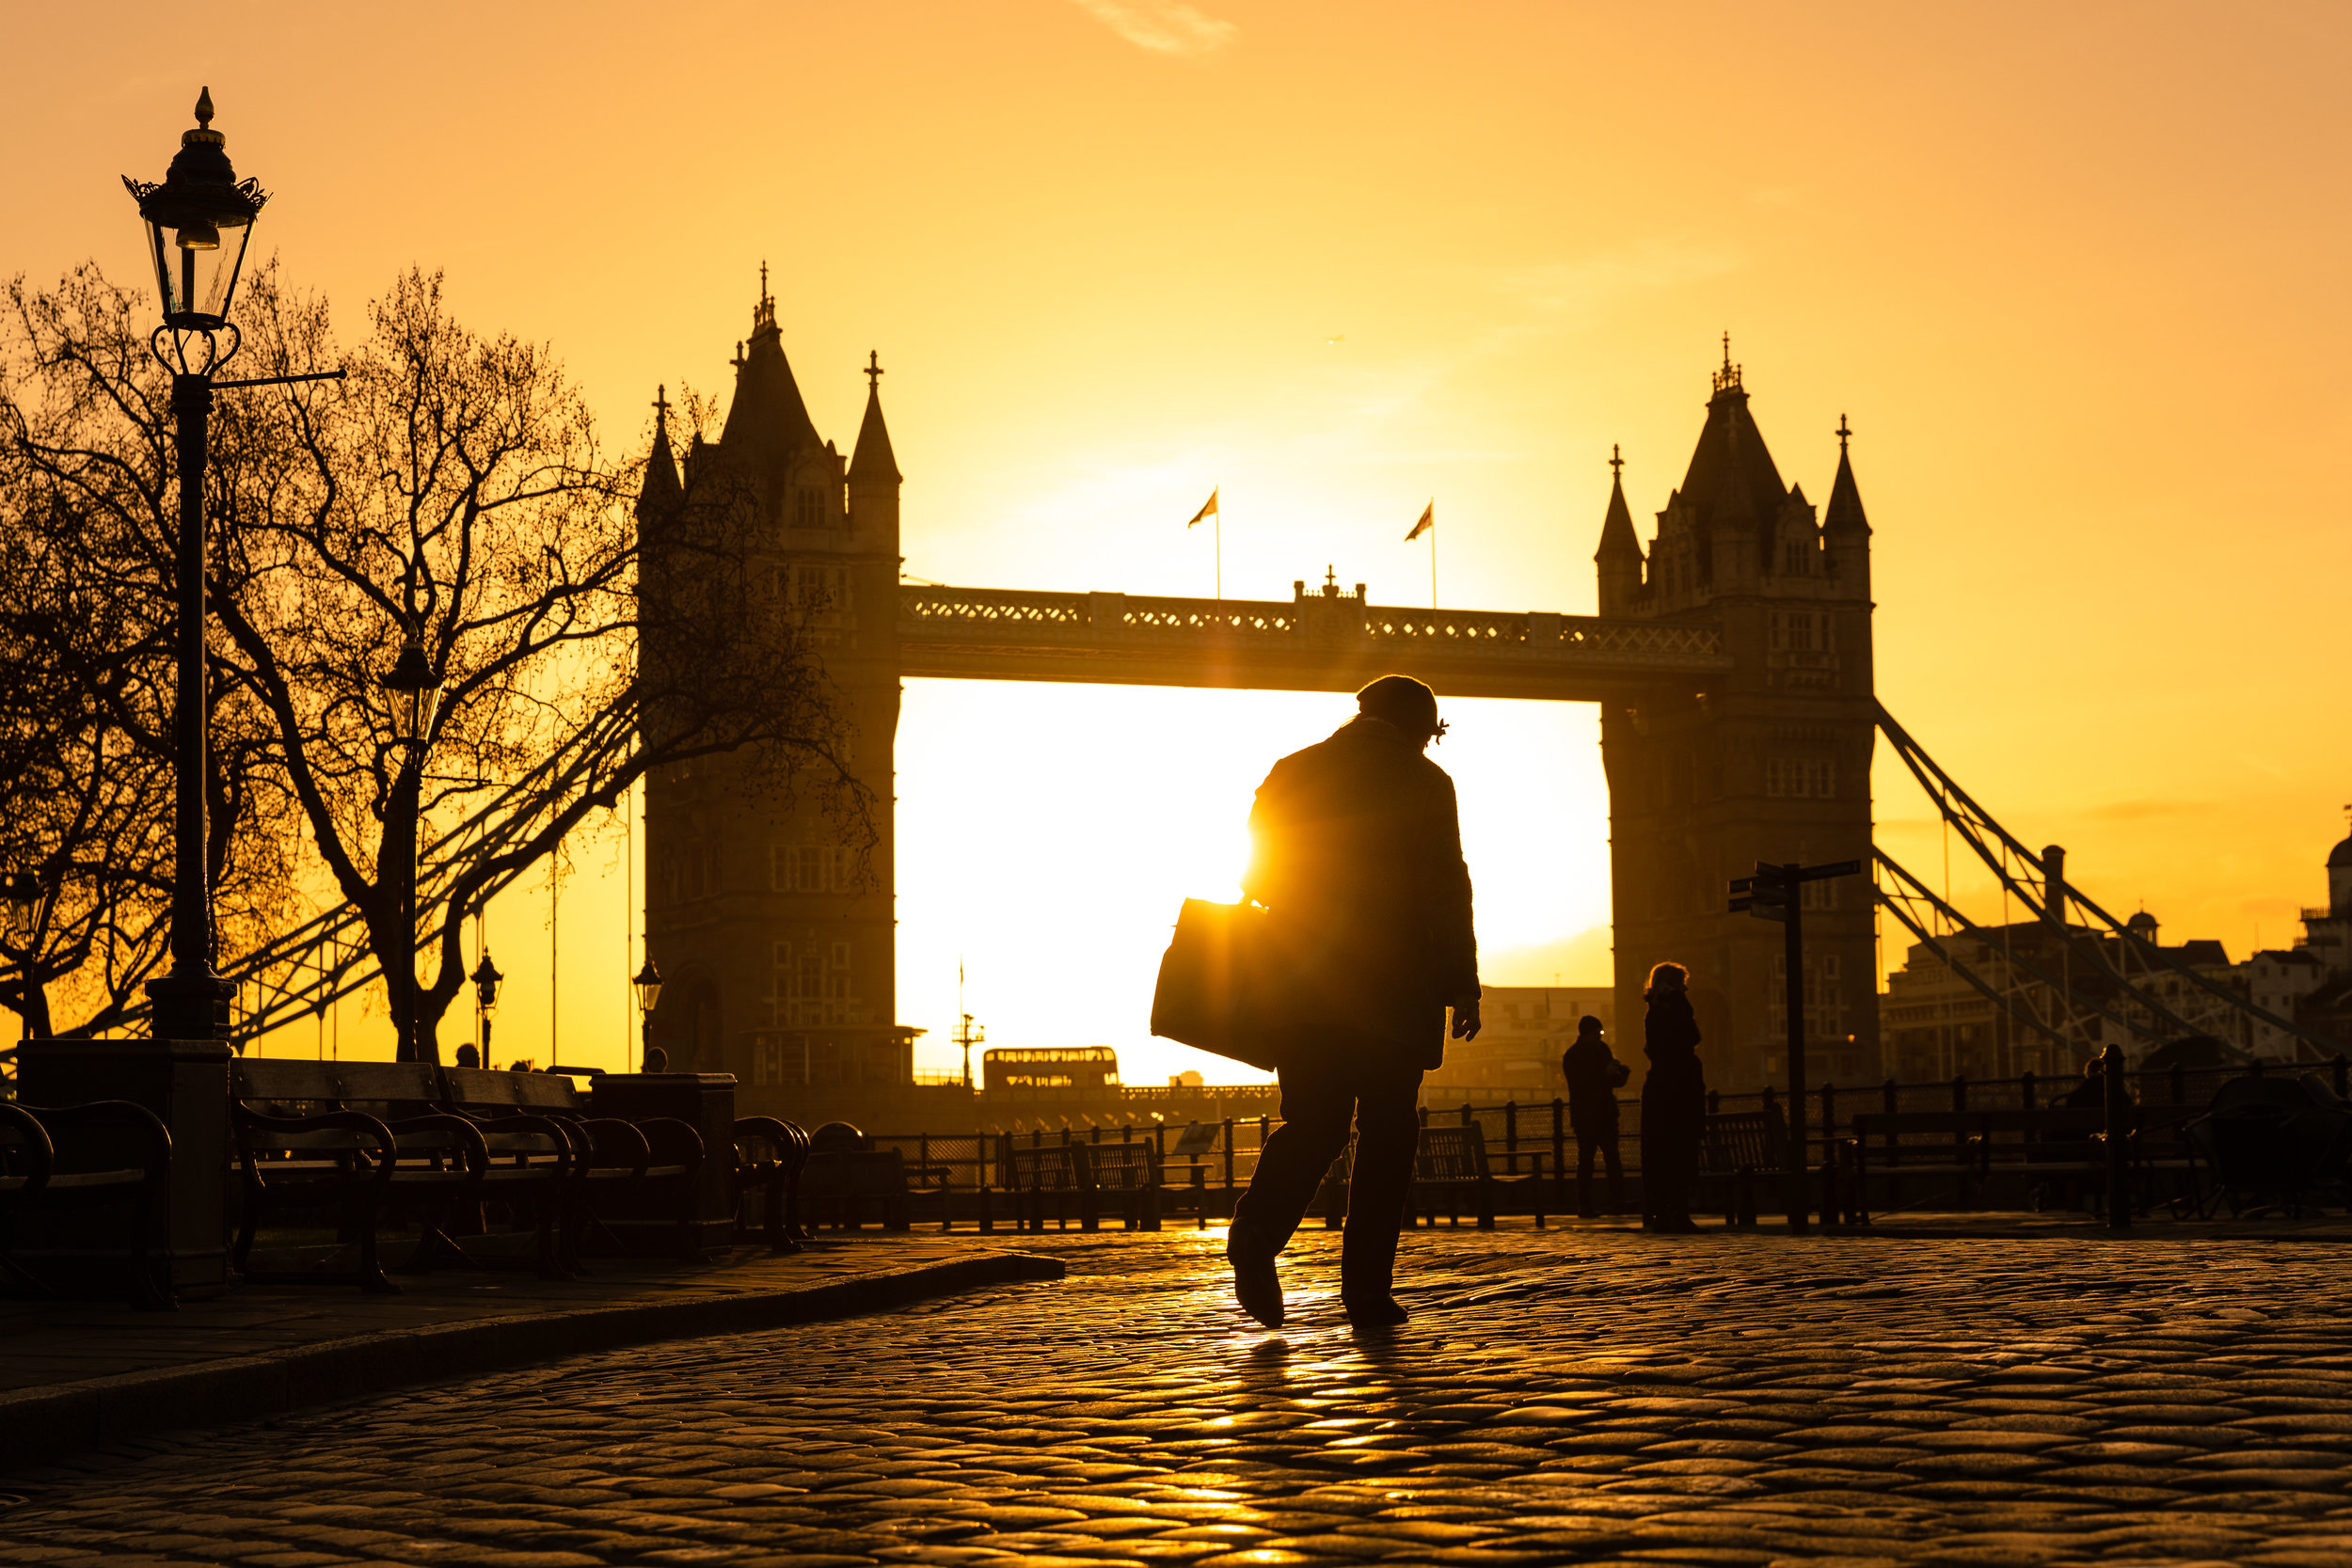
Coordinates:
x,y
200,219
486,998
648,983
414,686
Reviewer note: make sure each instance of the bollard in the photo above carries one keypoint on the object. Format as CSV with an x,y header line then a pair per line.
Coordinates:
x,y
2118,1140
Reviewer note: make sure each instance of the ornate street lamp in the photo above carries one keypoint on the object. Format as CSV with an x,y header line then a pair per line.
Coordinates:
x,y
22,889
648,983
198,220
486,998
413,686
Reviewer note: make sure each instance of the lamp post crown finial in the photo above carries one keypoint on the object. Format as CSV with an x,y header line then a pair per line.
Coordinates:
x,y
204,108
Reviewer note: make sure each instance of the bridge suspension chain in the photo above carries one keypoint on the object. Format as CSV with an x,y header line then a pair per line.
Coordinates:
x,y
2050,896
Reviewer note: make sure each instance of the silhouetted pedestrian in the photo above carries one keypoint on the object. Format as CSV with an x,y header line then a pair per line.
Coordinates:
x,y
1358,858
1595,1075
1674,1102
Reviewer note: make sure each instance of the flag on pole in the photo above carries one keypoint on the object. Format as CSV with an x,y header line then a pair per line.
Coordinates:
x,y
1429,521
1208,509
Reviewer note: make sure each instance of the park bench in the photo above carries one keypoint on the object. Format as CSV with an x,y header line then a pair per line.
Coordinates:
x,y
769,1155
1079,1175
844,1185
78,1172
301,1147
1733,1146
622,1171
1451,1161
1961,1150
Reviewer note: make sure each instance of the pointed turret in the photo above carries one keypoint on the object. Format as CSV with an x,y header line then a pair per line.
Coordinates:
x,y
1845,529
874,477
1619,557
660,493
768,423
871,461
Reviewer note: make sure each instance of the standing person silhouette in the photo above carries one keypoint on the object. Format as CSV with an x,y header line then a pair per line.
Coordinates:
x,y
1674,1102
1595,1075
1357,855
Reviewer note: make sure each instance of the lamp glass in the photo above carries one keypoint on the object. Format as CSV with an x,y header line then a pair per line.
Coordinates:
x,y
648,983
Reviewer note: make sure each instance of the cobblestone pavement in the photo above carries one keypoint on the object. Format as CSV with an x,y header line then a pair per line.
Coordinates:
x,y
1558,1398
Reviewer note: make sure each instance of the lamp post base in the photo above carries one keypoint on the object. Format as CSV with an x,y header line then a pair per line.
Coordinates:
x,y
191,1006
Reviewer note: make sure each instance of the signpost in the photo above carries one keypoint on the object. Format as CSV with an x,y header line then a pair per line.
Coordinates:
x,y
1773,894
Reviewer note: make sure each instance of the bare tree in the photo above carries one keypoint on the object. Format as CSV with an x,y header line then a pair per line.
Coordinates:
x,y
452,493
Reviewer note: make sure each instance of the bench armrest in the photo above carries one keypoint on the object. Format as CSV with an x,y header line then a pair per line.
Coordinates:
x,y
39,1154
248,1122
673,1142
465,1131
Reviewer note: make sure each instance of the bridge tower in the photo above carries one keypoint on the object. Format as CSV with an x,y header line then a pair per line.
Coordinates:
x,y
780,958
1771,762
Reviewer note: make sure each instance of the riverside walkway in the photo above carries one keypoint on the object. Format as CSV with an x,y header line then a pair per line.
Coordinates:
x,y
1560,1396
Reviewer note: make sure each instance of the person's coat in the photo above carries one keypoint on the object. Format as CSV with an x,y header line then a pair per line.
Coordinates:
x,y
1594,1075
1357,853
1674,1092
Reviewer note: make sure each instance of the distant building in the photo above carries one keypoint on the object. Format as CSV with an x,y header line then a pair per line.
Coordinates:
x,y
1522,1031
1936,1025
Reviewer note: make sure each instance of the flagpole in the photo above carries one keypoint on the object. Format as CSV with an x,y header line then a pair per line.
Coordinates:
x,y
1220,551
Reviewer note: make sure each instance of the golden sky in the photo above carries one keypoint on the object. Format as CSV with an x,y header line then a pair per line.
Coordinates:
x,y
2077,274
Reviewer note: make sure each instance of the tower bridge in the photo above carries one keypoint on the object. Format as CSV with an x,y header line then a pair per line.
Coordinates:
x,y
1730,658
1322,639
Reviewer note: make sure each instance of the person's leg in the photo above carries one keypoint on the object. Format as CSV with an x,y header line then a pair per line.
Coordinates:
x,y
1388,1131
1317,1102
1587,1146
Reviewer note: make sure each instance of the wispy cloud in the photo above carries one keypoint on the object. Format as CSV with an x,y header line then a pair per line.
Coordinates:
x,y
1163,27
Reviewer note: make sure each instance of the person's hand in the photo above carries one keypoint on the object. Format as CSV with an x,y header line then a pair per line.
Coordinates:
x,y
1465,1017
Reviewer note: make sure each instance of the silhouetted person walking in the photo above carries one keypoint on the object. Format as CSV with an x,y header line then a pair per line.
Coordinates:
x,y
1674,1102
1358,856
1595,1075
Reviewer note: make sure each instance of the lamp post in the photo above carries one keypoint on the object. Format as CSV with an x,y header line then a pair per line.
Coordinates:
x,y
486,998
413,685
199,220
648,983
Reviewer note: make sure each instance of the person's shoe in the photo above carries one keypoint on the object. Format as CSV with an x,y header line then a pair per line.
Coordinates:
x,y
1256,1286
1380,1311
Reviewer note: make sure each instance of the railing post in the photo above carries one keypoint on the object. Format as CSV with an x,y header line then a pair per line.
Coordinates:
x,y
1560,1156
1229,1154
1465,1114
1959,1091
1424,1116
1891,1097
2025,1082
2118,1141
1511,1136
1714,1102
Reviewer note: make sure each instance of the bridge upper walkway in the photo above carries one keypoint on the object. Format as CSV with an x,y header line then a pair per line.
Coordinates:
x,y
1330,640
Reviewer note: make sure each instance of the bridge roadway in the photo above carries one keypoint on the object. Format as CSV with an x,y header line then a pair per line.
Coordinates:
x,y
1328,641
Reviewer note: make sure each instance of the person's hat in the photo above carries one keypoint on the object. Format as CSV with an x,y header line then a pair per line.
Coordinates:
x,y
1588,1024
1404,701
